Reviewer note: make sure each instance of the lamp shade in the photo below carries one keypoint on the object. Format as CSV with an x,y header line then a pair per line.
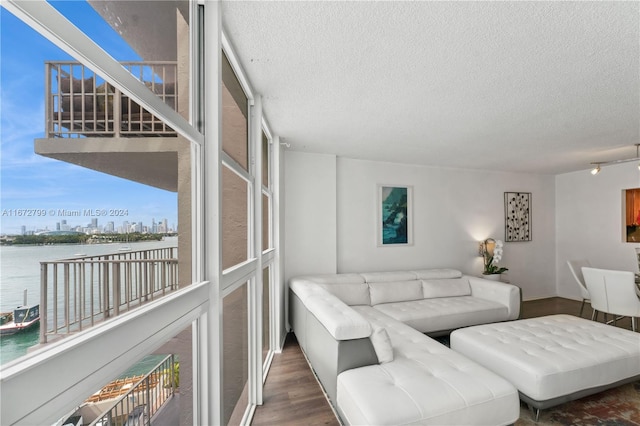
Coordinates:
x,y
489,246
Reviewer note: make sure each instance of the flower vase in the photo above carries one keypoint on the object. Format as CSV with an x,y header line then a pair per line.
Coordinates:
x,y
492,277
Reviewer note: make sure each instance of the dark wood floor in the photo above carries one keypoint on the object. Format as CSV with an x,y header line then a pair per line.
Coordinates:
x,y
292,396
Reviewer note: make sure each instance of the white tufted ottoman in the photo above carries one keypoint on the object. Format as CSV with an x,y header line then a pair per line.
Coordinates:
x,y
553,359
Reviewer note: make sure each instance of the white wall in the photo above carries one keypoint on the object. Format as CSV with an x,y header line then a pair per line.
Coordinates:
x,y
331,219
453,210
589,222
309,214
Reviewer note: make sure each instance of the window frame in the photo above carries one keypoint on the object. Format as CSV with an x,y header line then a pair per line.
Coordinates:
x,y
198,304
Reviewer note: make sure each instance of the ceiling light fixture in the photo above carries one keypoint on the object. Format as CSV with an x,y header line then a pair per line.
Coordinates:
x,y
597,164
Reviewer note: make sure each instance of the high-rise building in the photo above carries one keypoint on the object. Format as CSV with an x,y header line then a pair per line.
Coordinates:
x,y
23,230
94,222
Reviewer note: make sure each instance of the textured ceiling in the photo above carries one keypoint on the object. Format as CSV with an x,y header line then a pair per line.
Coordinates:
x,y
542,87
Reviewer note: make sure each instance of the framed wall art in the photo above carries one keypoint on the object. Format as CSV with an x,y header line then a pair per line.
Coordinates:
x,y
517,216
631,199
395,221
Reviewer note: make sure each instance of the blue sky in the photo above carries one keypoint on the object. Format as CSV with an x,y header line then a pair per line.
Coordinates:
x,y
29,181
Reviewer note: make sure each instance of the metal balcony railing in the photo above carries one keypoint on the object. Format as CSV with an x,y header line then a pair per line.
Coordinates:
x,y
80,103
137,400
78,293
140,404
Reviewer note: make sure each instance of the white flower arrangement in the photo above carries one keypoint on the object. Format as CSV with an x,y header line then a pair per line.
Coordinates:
x,y
491,261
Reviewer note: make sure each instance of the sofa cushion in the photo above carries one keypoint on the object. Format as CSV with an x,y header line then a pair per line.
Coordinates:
x,y
426,383
382,345
398,291
419,392
436,274
351,294
382,277
444,313
446,288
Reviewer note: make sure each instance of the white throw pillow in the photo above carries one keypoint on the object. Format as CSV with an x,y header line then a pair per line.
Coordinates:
x,y
382,345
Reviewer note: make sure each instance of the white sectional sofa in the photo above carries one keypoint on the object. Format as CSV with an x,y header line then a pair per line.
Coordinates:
x,y
364,337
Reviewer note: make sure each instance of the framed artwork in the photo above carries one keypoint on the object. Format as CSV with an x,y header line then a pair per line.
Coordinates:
x,y
517,216
395,219
631,199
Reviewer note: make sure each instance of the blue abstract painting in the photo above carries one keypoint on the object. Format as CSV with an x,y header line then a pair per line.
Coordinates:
x,y
395,218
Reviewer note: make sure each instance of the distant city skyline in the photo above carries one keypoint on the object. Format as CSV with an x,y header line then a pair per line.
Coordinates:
x,y
96,226
37,220
36,191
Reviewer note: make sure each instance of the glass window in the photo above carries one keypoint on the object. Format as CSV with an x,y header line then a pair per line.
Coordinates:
x,y
235,141
265,161
137,188
266,205
266,306
116,204
154,47
111,203
236,355
158,376
266,195
234,218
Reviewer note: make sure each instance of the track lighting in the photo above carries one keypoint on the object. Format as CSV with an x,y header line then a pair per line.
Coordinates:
x,y
597,164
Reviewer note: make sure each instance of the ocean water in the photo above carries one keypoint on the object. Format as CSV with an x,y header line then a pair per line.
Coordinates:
x,y
20,270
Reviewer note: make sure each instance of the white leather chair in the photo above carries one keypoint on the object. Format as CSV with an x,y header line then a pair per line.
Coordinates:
x,y
575,266
613,292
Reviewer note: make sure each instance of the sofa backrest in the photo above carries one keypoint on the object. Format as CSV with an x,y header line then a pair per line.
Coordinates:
x,y
334,278
437,274
385,277
395,291
446,288
351,294
373,288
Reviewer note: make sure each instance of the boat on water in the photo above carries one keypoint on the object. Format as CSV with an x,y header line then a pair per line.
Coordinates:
x,y
22,318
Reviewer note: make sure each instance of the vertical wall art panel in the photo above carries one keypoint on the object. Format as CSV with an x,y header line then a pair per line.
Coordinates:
x,y
394,215
517,216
